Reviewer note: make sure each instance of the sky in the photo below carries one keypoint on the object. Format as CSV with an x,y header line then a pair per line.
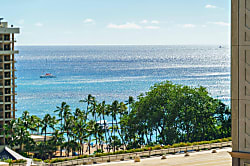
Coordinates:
x,y
119,22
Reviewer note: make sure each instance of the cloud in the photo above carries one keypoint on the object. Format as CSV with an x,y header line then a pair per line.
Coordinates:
x,y
220,23
152,27
38,24
89,21
155,22
144,21
189,26
128,25
21,21
210,6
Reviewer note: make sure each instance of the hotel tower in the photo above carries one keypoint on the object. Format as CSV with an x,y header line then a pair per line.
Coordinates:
x,y
7,75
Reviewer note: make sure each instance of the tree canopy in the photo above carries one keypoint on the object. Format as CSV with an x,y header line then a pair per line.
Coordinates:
x,y
168,113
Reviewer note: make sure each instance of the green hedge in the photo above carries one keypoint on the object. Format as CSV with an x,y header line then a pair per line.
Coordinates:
x,y
156,147
10,161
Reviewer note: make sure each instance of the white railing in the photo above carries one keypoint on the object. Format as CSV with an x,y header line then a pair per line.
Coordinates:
x,y
109,158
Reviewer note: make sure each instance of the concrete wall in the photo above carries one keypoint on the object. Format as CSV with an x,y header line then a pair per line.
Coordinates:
x,y
240,81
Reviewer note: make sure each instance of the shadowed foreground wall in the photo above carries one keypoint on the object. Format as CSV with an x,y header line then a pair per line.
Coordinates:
x,y
240,81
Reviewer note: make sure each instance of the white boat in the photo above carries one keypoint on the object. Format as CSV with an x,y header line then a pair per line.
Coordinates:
x,y
47,75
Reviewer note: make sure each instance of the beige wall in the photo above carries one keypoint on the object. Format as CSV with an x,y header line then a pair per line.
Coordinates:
x,y
240,81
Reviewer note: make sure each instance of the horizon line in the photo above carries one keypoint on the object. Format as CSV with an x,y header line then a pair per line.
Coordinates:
x,y
124,45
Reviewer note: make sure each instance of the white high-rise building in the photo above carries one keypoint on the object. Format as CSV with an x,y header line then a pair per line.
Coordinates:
x,y
7,75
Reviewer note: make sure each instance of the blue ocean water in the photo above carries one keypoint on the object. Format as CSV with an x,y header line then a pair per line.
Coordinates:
x,y
114,73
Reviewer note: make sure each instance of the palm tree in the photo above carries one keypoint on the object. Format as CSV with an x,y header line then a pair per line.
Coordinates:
x,y
68,127
122,111
88,100
48,122
102,111
57,139
90,129
34,123
79,129
9,133
93,108
22,135
114,112
25,118
61,110
129,102
64,108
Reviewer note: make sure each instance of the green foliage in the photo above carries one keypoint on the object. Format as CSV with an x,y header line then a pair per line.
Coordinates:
x,y
19,161
10,161
37,160
177,113
167,116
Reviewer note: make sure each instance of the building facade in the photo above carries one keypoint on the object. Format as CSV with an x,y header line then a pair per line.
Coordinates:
x,y
7,75
240,81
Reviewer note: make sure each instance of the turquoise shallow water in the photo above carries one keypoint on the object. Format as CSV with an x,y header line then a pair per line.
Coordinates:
x,y
114,72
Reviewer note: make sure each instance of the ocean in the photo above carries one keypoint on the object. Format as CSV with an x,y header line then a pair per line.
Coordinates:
x,y
114,73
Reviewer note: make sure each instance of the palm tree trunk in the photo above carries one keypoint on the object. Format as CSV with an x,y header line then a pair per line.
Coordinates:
x,y
89,143
105,130
61,132
68,142
113,131
119,131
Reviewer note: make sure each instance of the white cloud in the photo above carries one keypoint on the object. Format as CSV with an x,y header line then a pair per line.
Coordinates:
x,y
89,21
189,26
220,23
21,21
155,22
144,21
152,27
210,6
38,24
128,25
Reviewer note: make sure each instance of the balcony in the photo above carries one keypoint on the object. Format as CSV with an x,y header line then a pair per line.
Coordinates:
x,y
5,48
8,52
6,37
11,102
8,86
6,58
9,61
6,119
7,40
8,94
7,70
10,110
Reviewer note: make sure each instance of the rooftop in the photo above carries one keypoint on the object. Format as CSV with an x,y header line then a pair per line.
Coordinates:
x,y
5,29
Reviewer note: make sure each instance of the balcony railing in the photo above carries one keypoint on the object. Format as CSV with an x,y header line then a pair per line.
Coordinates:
x,y
5,49
8,39
6,59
